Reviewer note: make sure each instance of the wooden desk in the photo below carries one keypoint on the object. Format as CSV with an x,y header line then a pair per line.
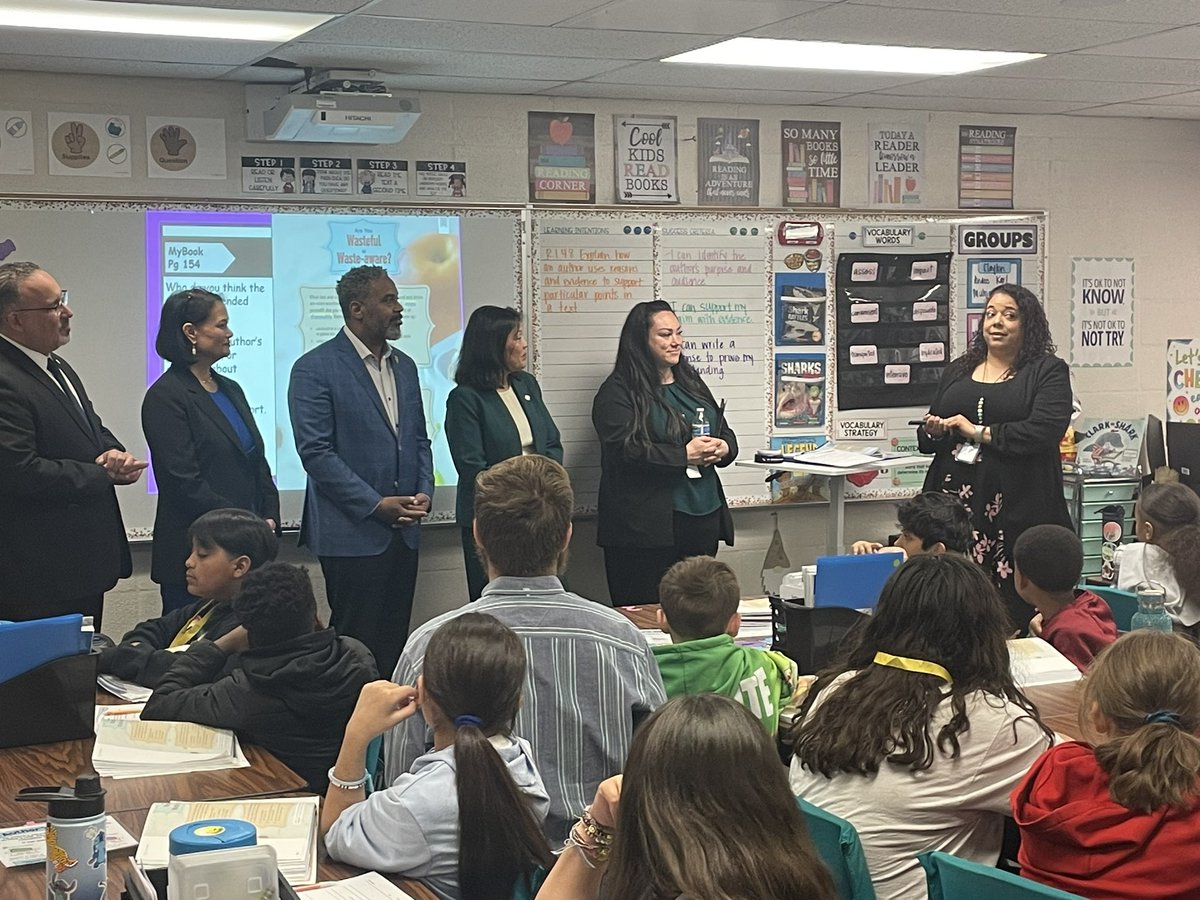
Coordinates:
x,y
29,882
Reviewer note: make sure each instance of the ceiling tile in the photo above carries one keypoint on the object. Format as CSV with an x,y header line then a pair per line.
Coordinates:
x,y
691,16
1188,98
418,34
1142,111
943,28
1166,12
1182,43
17,62
1089,67
469,85
434,62
955,104
79,44
683,75
640,93
1032,89
500,12
328,7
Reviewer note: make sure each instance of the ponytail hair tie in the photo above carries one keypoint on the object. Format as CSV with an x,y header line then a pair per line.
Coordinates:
x,y
1166,716
465,720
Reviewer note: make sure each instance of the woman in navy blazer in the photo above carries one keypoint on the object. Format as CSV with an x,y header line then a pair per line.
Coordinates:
x,y
480,427
205,448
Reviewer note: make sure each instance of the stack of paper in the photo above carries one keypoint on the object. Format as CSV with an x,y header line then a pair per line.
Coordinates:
x,y
371,886
1035,662
287,824
126,690
756,630
127,747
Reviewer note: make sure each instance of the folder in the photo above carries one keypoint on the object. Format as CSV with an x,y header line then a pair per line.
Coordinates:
x,y
854,581
26,645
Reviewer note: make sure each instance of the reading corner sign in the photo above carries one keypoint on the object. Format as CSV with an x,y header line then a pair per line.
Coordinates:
x,y
976,240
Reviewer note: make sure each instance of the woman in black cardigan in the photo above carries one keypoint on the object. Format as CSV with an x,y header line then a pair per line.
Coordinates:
x,y
496,412
660,497
994,427
205,449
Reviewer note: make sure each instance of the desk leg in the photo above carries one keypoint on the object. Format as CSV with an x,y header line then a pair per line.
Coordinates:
x,y
835,525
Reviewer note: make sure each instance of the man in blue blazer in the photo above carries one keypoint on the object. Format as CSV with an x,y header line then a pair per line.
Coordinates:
x,y
359,425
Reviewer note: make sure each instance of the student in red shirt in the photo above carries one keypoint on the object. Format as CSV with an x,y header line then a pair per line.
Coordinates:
x,y
1048,560
1118,819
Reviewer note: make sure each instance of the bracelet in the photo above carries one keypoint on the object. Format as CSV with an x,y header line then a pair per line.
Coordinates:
x,y
336,782
592,853
599,835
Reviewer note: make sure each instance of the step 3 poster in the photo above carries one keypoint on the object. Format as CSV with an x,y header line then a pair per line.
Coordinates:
x,y
562,157
727,162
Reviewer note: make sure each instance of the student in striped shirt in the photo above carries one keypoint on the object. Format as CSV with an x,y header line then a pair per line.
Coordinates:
x,y
591,676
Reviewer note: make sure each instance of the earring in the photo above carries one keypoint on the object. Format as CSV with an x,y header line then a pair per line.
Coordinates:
x,y
193,349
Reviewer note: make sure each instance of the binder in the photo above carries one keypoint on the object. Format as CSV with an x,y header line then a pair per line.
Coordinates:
x,y
854,581
27,645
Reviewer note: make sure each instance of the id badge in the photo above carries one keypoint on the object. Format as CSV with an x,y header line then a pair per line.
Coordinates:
x,y
967,453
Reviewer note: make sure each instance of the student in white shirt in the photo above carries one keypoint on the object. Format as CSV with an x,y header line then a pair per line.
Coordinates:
x,y
1167,524
919,736
466,819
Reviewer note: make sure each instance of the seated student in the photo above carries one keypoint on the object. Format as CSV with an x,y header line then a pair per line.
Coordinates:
x,y
699,598
1047,563
294,685
592,677
1118,819
702,811
466,819
226,545
1167,523
919,735
932,522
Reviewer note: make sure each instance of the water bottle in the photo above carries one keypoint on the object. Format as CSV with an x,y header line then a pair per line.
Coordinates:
x,y
1152,611
701,428
76,858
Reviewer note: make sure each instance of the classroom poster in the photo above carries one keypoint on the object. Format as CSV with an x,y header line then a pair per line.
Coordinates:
x,y
562,157
985,275
974,321
800,304
800,390
268,174
645,155
16,142
441,178
1101,311
183,147
727,162
812,163
1110,448
798,487
1183,380
326,175
895,164
92,144
385,178
986,155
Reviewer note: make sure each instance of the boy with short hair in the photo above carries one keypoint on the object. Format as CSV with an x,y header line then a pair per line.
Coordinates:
x,y
931,522
1047,561
295,685
699,599
227,544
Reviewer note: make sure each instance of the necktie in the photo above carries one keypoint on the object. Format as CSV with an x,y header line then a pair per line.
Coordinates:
x,y
56,372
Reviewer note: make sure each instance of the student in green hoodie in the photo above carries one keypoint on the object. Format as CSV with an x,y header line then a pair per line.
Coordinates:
x,y
699,598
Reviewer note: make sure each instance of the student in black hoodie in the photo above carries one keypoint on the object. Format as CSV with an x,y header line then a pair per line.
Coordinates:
x,y
295,685
226,545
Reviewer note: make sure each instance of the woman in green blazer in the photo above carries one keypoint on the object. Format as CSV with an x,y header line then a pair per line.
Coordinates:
x,y
495,413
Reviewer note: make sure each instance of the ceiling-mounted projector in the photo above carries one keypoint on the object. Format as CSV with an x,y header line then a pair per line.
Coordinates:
x,y
328,116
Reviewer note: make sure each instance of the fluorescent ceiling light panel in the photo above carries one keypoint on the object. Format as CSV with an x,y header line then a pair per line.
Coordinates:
x,y
158,19
828,55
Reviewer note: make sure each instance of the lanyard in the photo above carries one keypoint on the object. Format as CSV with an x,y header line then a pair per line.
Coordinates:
x,y
195,625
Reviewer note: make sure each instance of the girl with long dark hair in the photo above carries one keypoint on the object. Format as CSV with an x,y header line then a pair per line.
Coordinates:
x,y
1167,524
660,498
466,819
919,735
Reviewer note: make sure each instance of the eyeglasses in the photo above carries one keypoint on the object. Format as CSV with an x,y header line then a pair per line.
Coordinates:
x,y
53,307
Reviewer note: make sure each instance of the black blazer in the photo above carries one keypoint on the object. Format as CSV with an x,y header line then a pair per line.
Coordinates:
x,y
199,464
636,504
61,534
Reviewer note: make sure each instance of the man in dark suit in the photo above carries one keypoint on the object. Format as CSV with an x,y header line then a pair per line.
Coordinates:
x,y
63,542
359,426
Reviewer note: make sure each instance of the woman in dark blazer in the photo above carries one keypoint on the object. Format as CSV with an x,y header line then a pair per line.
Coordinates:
x,y
660,497
484,415
205,448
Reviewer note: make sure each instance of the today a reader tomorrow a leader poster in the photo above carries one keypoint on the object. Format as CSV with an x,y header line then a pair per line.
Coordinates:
x,y
895,164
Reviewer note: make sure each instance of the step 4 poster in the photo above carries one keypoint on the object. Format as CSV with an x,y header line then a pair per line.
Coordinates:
x,y
812,163
892,314
727,162
799,390
562,157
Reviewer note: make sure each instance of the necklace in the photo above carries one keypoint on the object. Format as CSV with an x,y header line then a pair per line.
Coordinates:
x,y
207,382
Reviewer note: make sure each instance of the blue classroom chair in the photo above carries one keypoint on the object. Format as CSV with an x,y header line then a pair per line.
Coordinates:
x,y
840,849
951,878
1123,604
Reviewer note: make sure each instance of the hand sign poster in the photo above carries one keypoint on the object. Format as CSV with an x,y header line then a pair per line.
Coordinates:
x,y
179,147
89,144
